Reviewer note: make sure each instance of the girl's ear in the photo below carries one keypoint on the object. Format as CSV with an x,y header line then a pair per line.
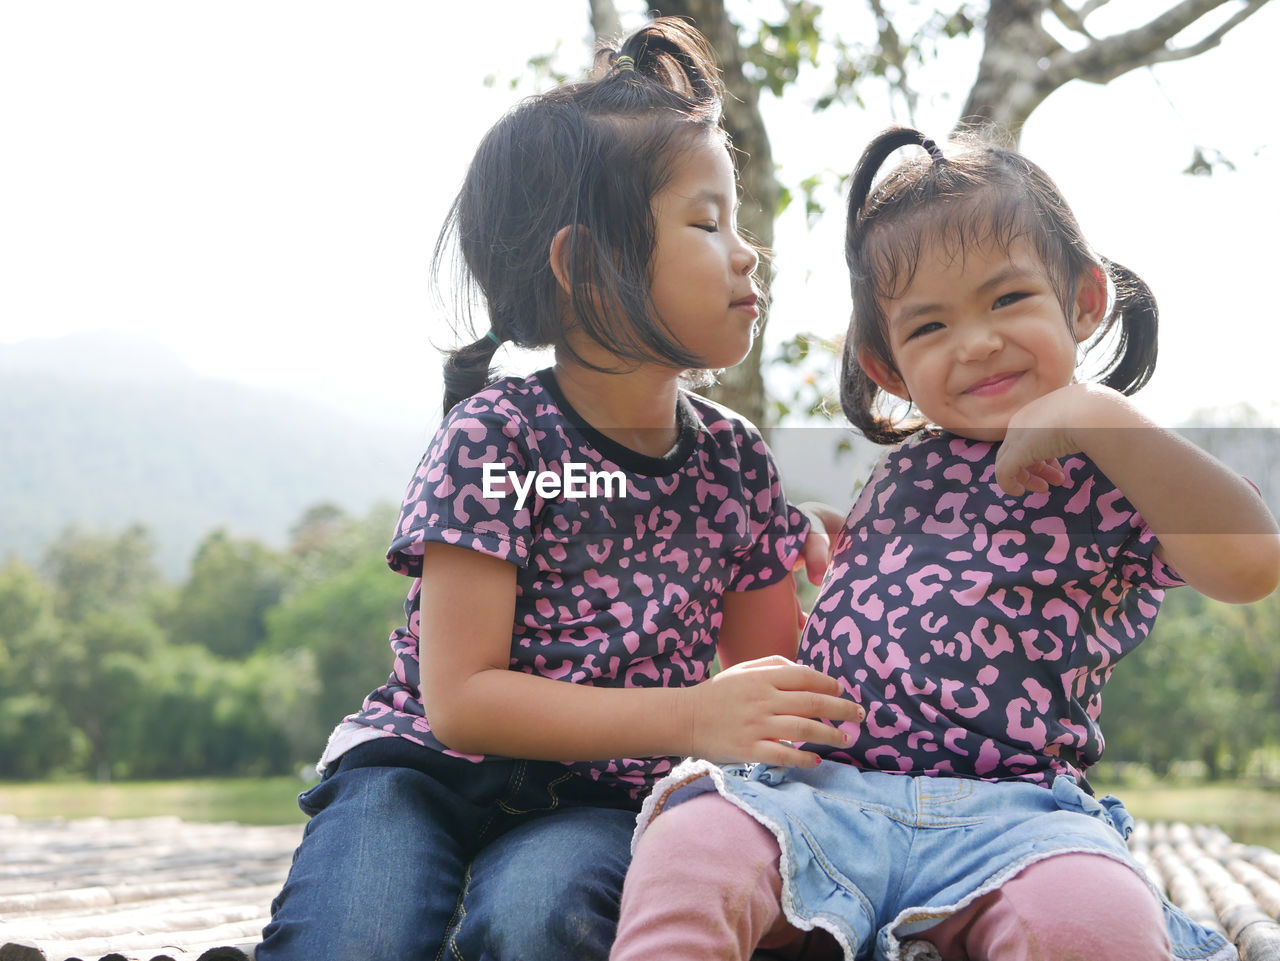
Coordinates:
x,y
885,377
560,252
1091,303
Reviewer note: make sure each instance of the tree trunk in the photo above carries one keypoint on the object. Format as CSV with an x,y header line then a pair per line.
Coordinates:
x,y
1013,76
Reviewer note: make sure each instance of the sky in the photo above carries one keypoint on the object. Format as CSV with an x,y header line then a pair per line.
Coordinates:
x,y
258,185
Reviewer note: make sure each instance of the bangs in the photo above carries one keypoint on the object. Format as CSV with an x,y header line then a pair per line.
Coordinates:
x,y
992,217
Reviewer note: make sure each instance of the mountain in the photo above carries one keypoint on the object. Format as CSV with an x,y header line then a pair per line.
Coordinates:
x,y
105,430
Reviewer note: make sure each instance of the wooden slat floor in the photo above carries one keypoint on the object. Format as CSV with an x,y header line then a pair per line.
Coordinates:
x,y
138,890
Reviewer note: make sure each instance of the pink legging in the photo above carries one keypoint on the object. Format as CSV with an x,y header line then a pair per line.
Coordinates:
x,y
704,886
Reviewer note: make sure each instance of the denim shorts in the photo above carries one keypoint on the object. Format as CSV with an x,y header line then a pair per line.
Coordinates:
x,y
875,858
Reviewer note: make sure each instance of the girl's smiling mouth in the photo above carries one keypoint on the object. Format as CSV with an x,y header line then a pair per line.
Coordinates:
x,y
995,385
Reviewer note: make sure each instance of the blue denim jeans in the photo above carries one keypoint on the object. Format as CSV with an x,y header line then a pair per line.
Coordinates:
x,y
411,855
875,858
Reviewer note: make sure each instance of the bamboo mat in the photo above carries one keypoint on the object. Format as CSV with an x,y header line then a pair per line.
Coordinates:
x,y
136,889
162,888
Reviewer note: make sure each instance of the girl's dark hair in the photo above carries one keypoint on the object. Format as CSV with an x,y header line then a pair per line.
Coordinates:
x,y
974,193
589,155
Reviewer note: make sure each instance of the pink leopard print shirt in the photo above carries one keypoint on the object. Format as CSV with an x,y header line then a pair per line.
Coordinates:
x,y
618,591
978,629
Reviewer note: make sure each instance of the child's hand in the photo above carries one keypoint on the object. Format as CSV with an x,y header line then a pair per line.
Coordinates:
x,y
1046,429
825,524
751,711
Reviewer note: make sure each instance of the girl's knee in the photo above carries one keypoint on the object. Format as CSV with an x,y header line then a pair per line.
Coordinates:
x,y
1071,907
709,823
704,883
702,846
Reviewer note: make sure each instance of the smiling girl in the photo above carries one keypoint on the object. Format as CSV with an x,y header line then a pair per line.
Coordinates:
x,y
1012,545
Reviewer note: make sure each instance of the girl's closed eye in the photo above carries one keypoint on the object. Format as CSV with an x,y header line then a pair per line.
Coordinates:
x,y
710,227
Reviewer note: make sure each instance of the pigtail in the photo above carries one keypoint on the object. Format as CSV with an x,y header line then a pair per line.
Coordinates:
x,y
456,265
467,370
1133,359
861,398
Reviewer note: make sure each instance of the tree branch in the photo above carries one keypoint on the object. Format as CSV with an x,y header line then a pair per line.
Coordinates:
x,y
1072,19
1110,57
1214,38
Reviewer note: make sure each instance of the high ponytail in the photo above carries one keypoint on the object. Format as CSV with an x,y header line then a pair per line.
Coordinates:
x,y
873,157
673,55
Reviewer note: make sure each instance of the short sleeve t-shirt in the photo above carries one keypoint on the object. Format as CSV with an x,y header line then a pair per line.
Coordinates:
x,y
622,559
978,629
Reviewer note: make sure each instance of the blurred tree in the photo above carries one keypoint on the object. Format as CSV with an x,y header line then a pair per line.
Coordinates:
x,y
326,540
25,603
342,622
97,672
223,604
97,572
36,735
201,715
317,529
1205,686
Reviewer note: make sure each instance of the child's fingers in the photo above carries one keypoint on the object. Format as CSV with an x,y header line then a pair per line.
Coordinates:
x,y
790,676
827,707
824,524
1051,470
803,730
815,557
783,754
1045,474
1036,477
1031,481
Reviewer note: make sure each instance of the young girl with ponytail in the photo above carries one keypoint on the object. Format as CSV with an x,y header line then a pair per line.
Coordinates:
x,y
560,631
1011,546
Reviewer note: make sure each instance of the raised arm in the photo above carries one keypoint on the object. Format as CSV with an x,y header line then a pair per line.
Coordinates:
x,y
475,704
1213,526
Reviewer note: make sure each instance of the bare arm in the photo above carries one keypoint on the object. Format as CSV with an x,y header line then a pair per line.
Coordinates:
x,y
1214,528
760,623
475,704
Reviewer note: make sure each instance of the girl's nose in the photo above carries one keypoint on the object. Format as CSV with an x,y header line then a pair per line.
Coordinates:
x,y
980,342
745,257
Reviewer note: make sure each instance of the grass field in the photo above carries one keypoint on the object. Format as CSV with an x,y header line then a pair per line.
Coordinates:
x,y
247,800
1249,814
